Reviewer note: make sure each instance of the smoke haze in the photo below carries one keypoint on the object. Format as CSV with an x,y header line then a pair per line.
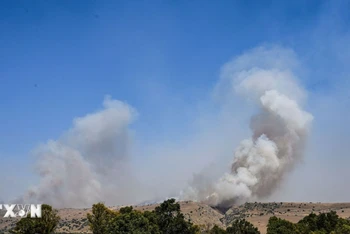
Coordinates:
x,y
279,130
270,124
92,161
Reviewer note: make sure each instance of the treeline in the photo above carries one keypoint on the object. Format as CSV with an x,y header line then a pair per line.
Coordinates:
x,y
168,219
323,223
164,219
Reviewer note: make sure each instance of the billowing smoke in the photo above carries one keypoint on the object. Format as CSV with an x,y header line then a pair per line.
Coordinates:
x,y
89,163
279,129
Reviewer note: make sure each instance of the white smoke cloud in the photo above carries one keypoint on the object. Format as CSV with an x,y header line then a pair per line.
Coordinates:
x,y
90,162
324,51
279,130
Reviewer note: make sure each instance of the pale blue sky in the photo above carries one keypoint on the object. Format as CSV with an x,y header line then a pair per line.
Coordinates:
x,y
58,59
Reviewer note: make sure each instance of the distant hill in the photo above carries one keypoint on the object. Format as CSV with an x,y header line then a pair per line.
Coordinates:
x,y
75,221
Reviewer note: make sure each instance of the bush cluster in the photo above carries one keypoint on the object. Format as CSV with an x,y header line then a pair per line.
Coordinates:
x,y
44,225
164,219
168,219
324,223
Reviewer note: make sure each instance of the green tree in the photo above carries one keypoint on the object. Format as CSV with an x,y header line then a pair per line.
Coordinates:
x,y
217,230
131,221
171,221
165,219
100,219
242,226
153,222
308,224
342,229
24,226
318,232
323,223
327,221
44,225
281,226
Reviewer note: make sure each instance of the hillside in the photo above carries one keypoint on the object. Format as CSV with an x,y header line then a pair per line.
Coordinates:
x,y
74,220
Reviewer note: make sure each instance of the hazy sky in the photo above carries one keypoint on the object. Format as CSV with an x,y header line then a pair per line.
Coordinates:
x,y
58,60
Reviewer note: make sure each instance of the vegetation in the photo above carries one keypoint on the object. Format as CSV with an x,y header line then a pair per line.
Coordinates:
x,y
44,225
165,219
239,226
324,223
217,230
99,220
280,226
168,219
242,227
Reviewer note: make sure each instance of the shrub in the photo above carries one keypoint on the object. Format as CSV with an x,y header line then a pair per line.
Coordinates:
x,y
44,225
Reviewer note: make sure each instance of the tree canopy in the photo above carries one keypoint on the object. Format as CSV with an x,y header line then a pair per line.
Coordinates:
x,y
165,219
44,225
324,223
242,226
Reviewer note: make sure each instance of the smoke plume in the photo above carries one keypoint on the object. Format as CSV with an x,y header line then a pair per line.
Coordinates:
x,y
89,163
279,129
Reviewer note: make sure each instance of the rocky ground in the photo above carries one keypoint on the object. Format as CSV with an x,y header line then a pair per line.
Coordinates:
x,y
74,220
